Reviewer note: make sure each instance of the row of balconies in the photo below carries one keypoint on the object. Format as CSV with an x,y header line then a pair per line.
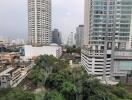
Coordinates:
x,y
96,53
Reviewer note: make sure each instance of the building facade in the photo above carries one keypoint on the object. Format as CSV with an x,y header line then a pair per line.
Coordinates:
x,y
13,76
122,63
106,28
79,35
39,22
56,37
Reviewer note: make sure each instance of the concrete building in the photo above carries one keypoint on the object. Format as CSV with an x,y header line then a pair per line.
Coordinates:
x,y
39,22
33,52
56,37
8,56
12,76
79,36
13,69
107,27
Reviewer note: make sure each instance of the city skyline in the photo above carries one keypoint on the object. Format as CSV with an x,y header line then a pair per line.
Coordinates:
x,y
15,18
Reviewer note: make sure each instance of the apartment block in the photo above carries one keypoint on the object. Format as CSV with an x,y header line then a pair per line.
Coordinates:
x,y
39,22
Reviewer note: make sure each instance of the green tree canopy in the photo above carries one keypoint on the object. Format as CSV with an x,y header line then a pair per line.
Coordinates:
x,y
17,94
54,95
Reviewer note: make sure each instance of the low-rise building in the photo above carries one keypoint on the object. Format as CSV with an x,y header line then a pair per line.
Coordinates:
x,y
5,77
12,76
8,56
33,52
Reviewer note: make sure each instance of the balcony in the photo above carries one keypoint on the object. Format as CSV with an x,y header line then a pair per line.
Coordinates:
x,y
95,53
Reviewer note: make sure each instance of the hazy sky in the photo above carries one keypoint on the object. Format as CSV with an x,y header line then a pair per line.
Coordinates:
x,y
67,14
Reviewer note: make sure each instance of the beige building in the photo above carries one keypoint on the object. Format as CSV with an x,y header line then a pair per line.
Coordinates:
x,y
39,22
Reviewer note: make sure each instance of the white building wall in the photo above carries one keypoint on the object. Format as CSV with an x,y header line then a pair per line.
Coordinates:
x,y
31,51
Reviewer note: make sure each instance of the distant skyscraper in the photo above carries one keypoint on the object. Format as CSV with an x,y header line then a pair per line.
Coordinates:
x,y
79,35
39,22
70,41
56,37
107,27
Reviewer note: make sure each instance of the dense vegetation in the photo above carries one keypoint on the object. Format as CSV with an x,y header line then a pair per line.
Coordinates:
x,y
16,94
64,83
73,49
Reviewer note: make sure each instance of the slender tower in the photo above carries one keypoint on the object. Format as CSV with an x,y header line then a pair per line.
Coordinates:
x,y
39,22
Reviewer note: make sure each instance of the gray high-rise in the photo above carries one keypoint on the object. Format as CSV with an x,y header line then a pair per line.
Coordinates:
x,y
56,37
39,22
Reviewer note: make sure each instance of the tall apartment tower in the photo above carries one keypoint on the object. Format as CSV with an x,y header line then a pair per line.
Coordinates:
x,y
107,27
39,22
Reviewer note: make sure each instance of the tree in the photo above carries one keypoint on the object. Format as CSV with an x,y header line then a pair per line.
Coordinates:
x,y
73,49
37,76
54,95
55,80
65,83
120,92
60,65
17,94
68,89
43,67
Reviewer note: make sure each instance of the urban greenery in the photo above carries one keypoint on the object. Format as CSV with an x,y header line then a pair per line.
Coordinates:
x,y
16,94
64,83
73,49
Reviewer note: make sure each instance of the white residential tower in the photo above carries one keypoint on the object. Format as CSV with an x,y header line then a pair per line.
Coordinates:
x,y
39,22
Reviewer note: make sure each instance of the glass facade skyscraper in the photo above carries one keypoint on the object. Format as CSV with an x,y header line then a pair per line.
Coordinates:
x,y
107,27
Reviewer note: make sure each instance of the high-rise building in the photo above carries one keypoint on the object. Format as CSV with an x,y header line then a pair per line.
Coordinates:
x,y
70,41
79,35
56,37
107,27
39,22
